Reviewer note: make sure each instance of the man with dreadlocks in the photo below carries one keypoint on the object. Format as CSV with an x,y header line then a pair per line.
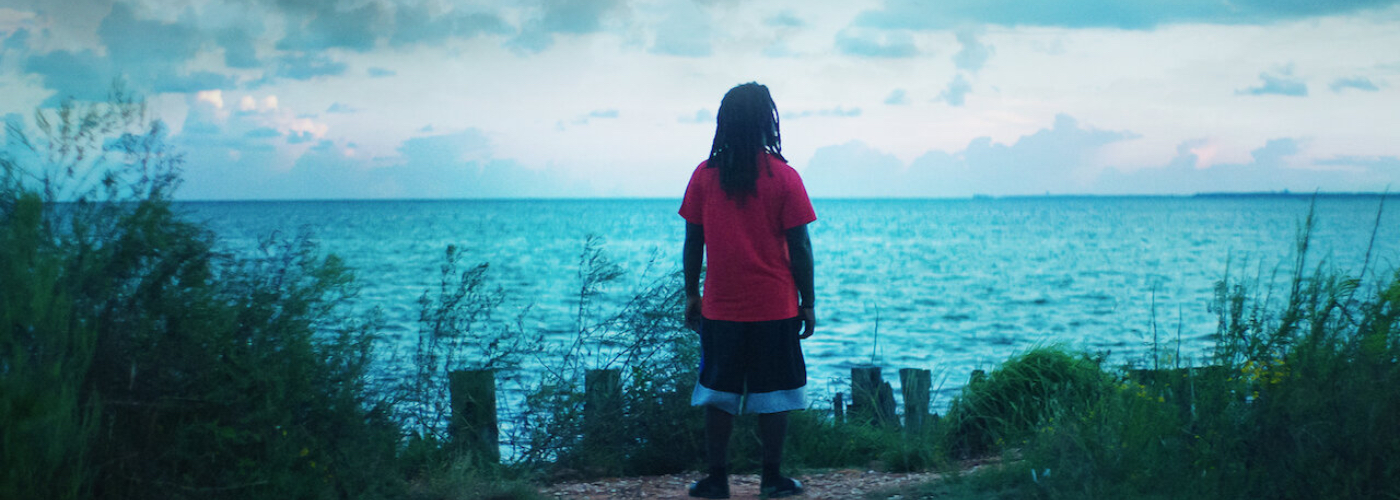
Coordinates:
x,y
747,212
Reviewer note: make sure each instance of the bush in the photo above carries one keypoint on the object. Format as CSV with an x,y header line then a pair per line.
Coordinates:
x,y
1027,391
140,362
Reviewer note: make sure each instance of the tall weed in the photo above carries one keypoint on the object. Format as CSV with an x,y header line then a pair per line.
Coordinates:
x,y
141,362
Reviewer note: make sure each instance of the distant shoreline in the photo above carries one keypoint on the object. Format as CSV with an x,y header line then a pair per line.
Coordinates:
x,y
979,197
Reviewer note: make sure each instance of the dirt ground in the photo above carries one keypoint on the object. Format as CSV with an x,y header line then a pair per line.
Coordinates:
x,y
841,484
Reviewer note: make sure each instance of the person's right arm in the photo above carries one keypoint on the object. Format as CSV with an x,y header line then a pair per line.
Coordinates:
x,y
692,259
803,270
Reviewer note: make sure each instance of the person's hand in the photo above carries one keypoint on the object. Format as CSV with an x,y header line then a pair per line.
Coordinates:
x,y
692,313
809,321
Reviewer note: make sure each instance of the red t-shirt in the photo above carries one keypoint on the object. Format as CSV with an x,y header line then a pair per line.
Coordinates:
x,y
749,276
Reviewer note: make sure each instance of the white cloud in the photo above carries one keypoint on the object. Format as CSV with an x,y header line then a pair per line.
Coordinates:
x,y
840,81
213,97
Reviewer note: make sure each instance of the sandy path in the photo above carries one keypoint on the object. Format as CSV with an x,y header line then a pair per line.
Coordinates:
x,y
837,484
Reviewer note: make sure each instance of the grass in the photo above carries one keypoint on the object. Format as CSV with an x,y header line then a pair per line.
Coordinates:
x,y
139,361
1297,401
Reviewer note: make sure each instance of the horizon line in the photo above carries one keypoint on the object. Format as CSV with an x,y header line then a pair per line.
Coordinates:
x,y
1209,194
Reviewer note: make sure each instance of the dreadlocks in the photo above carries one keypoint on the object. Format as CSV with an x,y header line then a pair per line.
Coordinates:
x,y
746,125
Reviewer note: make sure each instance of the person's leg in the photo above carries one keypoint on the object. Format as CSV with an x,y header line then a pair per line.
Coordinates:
x,y
772,430
719,425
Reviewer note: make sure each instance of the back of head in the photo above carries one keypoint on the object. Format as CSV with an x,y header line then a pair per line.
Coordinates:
x,y
747,124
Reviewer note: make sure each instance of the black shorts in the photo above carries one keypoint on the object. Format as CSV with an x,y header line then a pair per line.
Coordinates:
x,y
751,366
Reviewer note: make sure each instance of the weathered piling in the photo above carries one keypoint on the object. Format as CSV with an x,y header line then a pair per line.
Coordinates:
x,y
839,407
602,410
473,425
977,376
872,399
914,384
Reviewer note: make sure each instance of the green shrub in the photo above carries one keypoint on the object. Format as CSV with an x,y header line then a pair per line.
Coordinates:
x,y
1027,391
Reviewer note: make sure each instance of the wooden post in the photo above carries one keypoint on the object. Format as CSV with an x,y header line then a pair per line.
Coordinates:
x,y
914,384
886,416
872,399
865,383
602,395
977,376
602,411
839,404
473,422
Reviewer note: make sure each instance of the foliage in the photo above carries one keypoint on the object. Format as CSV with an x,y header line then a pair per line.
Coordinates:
x,y
644,340
44,357
458,330
1029,390
140,362
1298,402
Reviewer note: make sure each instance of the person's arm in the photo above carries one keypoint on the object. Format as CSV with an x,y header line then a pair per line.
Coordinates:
x,y
692,258
803,270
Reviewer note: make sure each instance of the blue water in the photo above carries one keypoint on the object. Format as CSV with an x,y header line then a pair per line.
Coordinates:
x,y
951,285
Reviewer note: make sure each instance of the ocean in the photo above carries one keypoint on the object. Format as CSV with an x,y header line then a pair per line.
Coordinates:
x,y
948,285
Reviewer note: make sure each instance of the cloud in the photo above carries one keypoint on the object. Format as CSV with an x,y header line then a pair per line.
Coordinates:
x,y
308,66
239,51
784,19
133,42
79,75
1051,159
1390,163
605,114
262,133
339,107
836,112
778,49
456,165
956,93
685,31
701,116
323,25
897,98
1359,83
301,137
1275,166
380,72
241,154
853,170
148,55
194,82
18,40
562,17
927,15
973,54
425,23
1280,83
879,44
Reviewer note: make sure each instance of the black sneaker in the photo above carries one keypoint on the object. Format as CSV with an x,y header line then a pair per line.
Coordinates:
x,y
710,487
782,487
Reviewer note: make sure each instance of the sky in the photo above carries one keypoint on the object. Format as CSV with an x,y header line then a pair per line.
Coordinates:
x,y
353,99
